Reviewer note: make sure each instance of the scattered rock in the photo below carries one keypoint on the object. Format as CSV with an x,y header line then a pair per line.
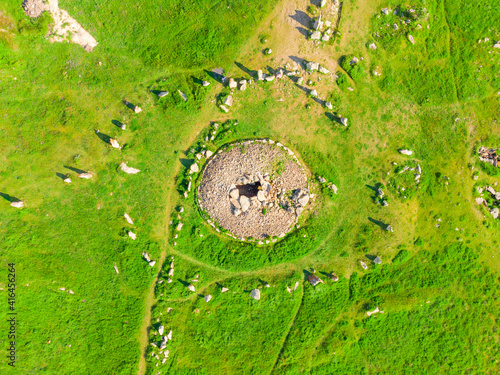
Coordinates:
x,y
373,46
232,83
313,93
405,152
495,212
137,109
255,293
363,264
183,96
343,120
129,170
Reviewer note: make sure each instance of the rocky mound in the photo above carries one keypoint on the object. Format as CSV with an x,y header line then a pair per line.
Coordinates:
x,y
255,189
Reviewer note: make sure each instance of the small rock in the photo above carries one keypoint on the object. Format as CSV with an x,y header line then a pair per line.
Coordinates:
x,y
132,235
373,46
194,168
329,105
18,204
224,108
207,298
85,175
255,293
129,170
313,93
405,152
191,287
224,289
128,218
183,96
161,94
137,109
411,39
363,264
205,83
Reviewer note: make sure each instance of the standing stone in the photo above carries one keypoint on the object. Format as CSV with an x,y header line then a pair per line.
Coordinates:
x,y
85,175
129,170
318,24
312,66
161,94
18,204
183,96
207,298
329,105
129,219
228,100
132,235
495,212
191,287
313,93
323,70
205,83
411,39
232,83
316,35
194,168
405,152
343,120
300,80
260,75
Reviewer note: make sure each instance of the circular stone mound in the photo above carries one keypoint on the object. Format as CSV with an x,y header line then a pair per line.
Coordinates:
x,y
255,189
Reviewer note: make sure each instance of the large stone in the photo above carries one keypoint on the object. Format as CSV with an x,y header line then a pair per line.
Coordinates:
x,y
132,235
85,175
194,168
228,100
191,287
303,200
318,24
207,298
255,293
314,280
129,219
244,202
479,200
300,80
372,46
235,203
316,35
260,75
205,83
322,3
385,11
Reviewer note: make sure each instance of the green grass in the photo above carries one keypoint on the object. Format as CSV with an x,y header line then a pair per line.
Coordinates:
x,y
431,98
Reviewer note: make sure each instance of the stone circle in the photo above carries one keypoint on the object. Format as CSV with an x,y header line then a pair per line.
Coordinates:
x,y
254,189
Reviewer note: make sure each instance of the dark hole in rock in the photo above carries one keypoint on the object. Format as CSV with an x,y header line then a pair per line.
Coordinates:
x,y
249,190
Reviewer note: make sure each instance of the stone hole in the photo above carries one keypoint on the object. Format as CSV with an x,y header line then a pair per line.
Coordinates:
x,y
249,190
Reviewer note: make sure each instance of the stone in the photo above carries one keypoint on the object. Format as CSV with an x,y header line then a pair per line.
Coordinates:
x,y
260,75
152,263
269,78
303,200
232,83
323,70
411,39
224,108
334,277
228,100
314,280
300,80
18,204
322,3
224,289
243,87
208,153
205,83
129,170
85,175
497,195
191,287
235,202
334,188
343,120
132,235
363,264
317,23
299,210
244,202
312,66
316,35
329,105
377,260
405,152
71,292
322,180
234,193
194,168
261,196
137,109
385,11
279,74
161,94
494,212
255,293
296,286
179,227
129,219
369,313
354,61
389,228
479,200
372,46
207,298
183,96
67,180
146,257
313,93
116,268
395,26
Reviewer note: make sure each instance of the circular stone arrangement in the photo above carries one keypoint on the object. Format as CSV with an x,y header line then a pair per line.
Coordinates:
x,y
254,189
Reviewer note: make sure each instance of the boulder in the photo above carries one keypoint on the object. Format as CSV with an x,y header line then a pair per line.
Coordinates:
x,y
323,70
234,193
303,200
405,152
194,168
269,78
255,293
132,235
228,100
363,264
183,96
207,298
299,210
244,202
224,108
312,66
235,203
18,204
129,170
161,94
67,180
300,80
495,212
129,219
316,35
208,153
137,109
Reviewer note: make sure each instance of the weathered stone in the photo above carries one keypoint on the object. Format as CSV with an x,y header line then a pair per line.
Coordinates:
x,y
334,188
322,3
152,263
137,109
303,200
146,257
373,46
85,175
228,100
116,268
260,75
17,204
67,180
255,293
385,11
300,80
194,168
234,193
495,212
191,287
270,78
299,210
261,196
314,280
318,24
363,264
205,83
224,108
322,180
179,227
343,120
479,200
224,289
128,218
369,313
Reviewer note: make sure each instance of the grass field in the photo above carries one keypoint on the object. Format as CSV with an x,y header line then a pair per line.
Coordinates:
x,y
438,284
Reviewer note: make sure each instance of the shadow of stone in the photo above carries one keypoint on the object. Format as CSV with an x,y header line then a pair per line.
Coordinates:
x,y
117,123
298,60
302,17
319,101
197,80
62,176
381,224
251,73
103,137
129,105
216,74
9,198
303,88
303,31
186,163
75,169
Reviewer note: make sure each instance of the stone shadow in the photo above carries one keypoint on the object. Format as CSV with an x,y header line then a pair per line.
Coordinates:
x,y
9,198
302,17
